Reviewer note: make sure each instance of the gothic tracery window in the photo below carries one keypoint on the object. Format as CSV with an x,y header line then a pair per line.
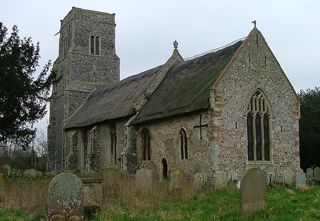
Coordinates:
x,y
145,135
258,128
183,144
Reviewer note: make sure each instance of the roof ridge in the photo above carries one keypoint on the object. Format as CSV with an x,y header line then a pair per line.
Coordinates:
x,y
215,49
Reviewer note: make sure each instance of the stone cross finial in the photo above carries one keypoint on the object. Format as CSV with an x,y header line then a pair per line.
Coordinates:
x,y
175,45
254,23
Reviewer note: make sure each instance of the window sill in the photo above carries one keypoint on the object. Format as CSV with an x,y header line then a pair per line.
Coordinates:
x,y
259,162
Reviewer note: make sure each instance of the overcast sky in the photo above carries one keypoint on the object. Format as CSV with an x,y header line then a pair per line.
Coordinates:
x,y
146,29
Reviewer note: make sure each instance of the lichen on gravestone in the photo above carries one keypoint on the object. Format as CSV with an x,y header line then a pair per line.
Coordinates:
x,y
65,197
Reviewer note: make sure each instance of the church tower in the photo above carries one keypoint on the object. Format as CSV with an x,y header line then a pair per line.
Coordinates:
x,y
87,60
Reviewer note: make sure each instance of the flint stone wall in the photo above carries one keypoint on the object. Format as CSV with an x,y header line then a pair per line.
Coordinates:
x,y
254,68
165,144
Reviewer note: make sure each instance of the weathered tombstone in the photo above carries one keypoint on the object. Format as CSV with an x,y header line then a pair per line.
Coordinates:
x,y
316,173
200,181
271,178
93,192
175,180
279,177
253,191
65,198
232,175
300,178
5,170
309,173
144,180
1,187
221,180
30,173
288,177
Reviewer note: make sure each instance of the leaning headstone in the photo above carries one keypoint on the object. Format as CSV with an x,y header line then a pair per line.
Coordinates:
x,y
1,187
300,178
144,180
65,198
220,181
253,191
309,173
288,177
175,180
316,173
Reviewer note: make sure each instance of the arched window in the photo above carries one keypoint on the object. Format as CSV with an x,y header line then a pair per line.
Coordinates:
x,y
145,136
94,45
91,44
183,144
97,45
258,128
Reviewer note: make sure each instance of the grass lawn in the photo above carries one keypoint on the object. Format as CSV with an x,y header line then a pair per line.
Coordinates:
x,y
283,204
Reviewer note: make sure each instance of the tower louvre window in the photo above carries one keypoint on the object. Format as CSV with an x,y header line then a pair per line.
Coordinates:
x,y
94,45
258,128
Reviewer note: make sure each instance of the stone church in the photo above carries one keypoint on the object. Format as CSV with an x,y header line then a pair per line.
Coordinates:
x,y
216,114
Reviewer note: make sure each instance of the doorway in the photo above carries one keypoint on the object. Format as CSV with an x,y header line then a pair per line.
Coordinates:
x,y
164,169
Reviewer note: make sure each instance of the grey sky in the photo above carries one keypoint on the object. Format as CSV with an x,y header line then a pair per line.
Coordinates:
x,y
146,29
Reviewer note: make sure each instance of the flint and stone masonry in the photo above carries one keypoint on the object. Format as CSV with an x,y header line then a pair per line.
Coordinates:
x,y
220,113
81,71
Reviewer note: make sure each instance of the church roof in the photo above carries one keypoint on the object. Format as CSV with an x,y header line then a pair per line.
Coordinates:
x,y
185,88
112,102
187,85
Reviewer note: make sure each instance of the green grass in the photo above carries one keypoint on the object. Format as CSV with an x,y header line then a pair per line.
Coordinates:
x,y
20,215
283,204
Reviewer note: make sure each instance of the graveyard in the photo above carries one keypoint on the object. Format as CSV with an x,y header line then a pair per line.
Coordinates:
x,y
159,111
25,198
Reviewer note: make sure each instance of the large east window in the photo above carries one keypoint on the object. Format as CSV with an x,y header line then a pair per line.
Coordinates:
x,y
258,128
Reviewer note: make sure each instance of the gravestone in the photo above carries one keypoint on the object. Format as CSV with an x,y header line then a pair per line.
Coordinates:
x,y
316,173
253,191
144,180
271,177
65,198
221,180
93,192
30,173
5,170
288,177
200,181
1,187
175,180
232,175
300,178
309,173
